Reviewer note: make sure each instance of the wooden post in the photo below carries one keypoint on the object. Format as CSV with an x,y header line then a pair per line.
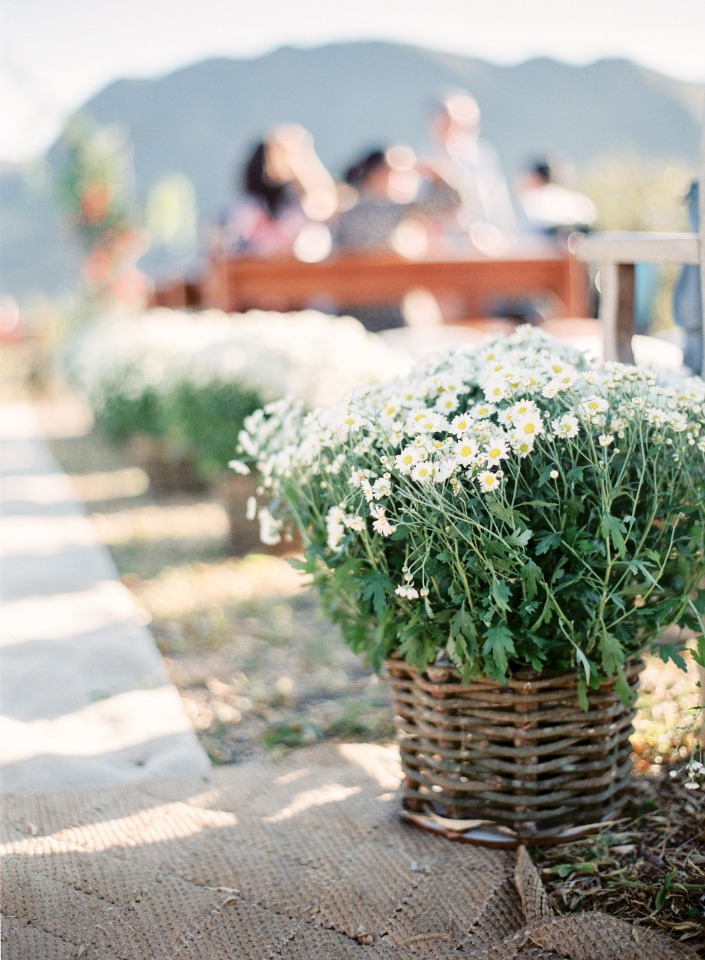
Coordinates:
x,y
626,287
617,310
701,248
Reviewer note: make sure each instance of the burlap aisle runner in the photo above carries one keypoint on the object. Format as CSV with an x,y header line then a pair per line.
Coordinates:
x,y
303,859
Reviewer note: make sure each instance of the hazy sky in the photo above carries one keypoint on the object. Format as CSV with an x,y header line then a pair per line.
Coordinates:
x,y
56,53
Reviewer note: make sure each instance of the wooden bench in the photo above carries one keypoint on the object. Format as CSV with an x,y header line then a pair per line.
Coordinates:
x,y
177,294
345,281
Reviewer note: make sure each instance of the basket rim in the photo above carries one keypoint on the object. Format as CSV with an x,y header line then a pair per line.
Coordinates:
x,y
522,678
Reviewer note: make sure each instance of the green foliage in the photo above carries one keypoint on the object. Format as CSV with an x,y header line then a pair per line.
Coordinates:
x,y
440,540
122,414
205,420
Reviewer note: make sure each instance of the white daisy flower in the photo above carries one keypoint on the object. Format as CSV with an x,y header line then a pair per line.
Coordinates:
x,y
495,451
488,481
594,405
354,523
335,528
523,408
496,389
466,451
521,444
566,426
351,422
461,423
423,471
405,460
530,425
446,403
443,469
482,411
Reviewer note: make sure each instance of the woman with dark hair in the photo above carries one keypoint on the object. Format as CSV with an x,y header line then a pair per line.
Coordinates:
x,y
258,184
283,187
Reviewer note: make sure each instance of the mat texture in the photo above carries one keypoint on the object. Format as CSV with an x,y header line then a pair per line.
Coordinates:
x,y
305,858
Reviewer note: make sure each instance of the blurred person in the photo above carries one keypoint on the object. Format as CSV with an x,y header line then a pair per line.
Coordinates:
x,y
486,219
284,189
387,212
687,296
548,208
386,198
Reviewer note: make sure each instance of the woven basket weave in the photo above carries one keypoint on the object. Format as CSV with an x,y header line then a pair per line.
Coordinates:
x,y
168,472
509,765
233,491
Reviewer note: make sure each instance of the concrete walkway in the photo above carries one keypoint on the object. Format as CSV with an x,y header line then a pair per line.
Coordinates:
x,y
85,699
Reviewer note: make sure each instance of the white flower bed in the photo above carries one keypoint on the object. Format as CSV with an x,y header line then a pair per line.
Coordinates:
x,y
190,379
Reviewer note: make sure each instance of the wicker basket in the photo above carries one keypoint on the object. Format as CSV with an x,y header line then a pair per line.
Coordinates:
x,y
167,472
509,765
233,491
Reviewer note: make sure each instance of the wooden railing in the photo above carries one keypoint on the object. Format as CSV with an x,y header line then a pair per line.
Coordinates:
x,y
345,281
616,255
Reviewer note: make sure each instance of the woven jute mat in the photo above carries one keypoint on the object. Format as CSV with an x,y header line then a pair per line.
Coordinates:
x,y
305,858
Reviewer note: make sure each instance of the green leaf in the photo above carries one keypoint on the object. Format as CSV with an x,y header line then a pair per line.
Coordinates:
x,y
582,694
375,586
462,624
584,663
613,655
667,651
546,614
499,641
614,530
401,532
519,539
664,890
548,542
500,594
624,691
530,574
566,869
501,510
699,602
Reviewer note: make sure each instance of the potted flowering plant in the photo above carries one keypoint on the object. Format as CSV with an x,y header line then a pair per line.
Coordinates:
x,y
178,386
505,530
125,366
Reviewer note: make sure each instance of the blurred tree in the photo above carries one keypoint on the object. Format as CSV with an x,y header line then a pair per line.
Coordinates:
x,y
96,191
172,215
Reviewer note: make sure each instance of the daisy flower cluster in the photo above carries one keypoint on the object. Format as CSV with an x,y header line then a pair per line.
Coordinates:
x,y
191,378
507,505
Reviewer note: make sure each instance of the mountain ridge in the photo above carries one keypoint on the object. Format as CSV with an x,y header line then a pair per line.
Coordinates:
x,y
200,120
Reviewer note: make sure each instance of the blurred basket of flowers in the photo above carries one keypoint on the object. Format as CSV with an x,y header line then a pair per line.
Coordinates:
x,y
178,386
